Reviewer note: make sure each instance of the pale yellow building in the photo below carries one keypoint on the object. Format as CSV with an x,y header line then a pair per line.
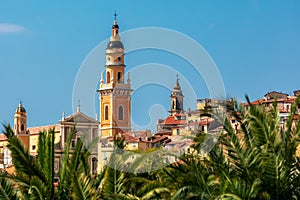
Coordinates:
x,y
5,154
86,128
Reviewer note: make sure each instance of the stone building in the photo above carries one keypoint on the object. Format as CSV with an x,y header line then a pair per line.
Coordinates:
x,y
86,129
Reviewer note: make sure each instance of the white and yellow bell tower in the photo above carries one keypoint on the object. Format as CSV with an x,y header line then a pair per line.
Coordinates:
x,y
114,93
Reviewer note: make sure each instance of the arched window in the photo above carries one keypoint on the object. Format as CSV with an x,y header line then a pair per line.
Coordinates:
x,y
106,113
107,77
173,105
119,77
121,113
22,127
94,165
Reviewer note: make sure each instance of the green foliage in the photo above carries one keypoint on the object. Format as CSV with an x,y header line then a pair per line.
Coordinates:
x,y
256,161
7,191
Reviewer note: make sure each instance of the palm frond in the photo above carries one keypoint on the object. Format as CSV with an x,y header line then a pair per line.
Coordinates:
x,y
82,188
7,191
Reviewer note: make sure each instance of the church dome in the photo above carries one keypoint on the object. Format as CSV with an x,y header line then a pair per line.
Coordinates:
x,y
115,45
20,108
115,25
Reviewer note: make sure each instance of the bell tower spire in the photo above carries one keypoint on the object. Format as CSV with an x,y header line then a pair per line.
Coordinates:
x,y
115,27
115,94
20,125
176,99
20,120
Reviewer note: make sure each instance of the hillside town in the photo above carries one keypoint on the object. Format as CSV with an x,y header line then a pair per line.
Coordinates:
x,y
175,131
251,146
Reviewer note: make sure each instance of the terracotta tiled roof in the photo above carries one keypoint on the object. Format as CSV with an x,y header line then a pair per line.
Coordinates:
x,y
155,139
257,102
285,100
132,140
171,120
38,129
262,101
205,121
2,137
164,133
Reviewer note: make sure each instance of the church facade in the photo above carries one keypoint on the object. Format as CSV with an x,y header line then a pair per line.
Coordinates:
x,y
86,128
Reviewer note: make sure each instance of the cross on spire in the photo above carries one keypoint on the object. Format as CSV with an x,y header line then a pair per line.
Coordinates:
x,y
115,16
78,106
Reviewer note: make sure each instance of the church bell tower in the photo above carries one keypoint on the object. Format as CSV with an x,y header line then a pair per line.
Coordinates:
x,y
114,93
20,125
176,99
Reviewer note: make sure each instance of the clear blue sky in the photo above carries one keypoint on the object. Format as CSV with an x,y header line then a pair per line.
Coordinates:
x,y
255,44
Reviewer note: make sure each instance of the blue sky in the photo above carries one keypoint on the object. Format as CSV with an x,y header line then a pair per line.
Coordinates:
x,y
255,45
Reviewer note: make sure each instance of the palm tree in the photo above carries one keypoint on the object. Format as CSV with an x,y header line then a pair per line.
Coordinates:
x,y
34,176
256,161
118,181
75,179
259,159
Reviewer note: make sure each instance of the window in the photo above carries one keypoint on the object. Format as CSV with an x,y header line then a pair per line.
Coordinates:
x,y
22,127
107,77
121,113
95,133
106,113
178,131
33,147
94,165
202,128
173,105
119,77
73,144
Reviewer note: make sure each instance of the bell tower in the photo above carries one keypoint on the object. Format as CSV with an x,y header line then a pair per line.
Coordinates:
x,y
20,125
176,99
114,93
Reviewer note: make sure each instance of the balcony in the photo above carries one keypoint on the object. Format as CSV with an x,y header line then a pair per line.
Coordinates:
x,y
105,86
